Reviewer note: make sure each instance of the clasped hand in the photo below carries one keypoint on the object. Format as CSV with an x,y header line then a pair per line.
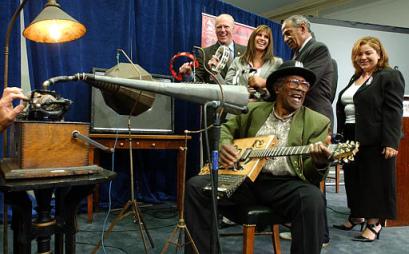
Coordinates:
x,y
389,152
320,155
256,82
214,61
186,68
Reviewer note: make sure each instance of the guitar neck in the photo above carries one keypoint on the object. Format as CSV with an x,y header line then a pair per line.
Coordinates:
x,y
282,151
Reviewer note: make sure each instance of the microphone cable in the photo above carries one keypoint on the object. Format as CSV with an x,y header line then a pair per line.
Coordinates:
x,y
109,194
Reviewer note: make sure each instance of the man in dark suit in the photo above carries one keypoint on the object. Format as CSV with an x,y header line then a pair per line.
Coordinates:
x,y
334,80
315,56
224,26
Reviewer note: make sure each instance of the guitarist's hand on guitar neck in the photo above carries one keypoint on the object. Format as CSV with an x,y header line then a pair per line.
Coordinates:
x,y
320,155
229,155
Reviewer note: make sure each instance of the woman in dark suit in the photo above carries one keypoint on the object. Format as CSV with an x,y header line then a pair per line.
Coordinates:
x,y
369,110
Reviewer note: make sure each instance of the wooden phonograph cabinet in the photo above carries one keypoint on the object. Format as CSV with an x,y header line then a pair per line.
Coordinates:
x,y
45,144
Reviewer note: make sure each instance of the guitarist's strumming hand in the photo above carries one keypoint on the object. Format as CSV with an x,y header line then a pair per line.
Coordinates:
x,y
320,155
228,156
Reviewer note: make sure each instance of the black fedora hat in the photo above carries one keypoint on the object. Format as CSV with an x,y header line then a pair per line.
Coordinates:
x,y
288,68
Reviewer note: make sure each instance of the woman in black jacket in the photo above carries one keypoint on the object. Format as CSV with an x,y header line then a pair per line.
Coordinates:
x,y
369,110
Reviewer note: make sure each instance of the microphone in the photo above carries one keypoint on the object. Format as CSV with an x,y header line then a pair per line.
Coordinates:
x,y
232,109
234,97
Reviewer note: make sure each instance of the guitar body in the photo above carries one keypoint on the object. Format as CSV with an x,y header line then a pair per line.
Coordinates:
x,y
250,167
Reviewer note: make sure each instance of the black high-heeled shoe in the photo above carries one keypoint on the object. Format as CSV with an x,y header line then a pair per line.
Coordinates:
x,y
371,227
343,227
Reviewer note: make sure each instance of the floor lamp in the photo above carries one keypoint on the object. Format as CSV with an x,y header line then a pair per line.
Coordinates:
x,y
52,25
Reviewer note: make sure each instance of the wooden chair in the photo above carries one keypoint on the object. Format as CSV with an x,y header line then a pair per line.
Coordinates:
x,y
336,177
252,216
257,215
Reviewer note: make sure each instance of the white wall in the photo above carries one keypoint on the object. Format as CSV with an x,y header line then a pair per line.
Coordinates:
x,y
386,12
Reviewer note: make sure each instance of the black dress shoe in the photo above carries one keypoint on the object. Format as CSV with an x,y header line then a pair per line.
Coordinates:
x,y
353,224
371,227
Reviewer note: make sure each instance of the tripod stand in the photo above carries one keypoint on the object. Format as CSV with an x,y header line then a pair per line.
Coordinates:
x,y
131,207
181,232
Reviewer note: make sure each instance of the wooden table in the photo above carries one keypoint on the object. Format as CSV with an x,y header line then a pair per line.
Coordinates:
x,y
151,142
69,191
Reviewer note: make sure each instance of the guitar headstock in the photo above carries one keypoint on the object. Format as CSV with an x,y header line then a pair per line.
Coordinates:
x,y
345,152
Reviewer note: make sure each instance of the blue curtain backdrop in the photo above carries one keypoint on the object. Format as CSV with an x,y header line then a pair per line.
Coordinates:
x,y
151,31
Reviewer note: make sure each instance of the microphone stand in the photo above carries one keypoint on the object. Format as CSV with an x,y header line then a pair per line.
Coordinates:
x,y
181,232
131,207
214,163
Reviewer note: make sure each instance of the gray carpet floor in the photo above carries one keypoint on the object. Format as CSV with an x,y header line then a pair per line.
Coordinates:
x,y
161,219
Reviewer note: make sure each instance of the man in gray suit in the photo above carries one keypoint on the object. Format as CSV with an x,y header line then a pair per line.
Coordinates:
x,y
315,56
224,26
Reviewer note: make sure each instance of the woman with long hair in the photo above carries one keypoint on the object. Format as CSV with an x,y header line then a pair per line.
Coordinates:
x,y
256,64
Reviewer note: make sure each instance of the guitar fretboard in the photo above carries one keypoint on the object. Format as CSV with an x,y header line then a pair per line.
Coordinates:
x,y
282,151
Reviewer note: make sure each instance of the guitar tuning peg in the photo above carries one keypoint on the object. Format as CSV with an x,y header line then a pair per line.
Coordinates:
x,y
351,158
345,160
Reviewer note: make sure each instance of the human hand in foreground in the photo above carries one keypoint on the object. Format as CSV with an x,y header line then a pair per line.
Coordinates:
x,y
8,113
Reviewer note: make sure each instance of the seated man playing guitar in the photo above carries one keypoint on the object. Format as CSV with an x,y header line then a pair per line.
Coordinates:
x,y
287,184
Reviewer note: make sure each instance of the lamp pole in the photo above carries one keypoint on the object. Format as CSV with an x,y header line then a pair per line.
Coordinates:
x,y
7,42
5,141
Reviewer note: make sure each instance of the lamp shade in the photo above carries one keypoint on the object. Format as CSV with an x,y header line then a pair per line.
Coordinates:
x,y
53,25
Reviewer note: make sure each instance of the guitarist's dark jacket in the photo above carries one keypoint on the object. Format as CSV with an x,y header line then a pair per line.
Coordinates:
x,y
307,126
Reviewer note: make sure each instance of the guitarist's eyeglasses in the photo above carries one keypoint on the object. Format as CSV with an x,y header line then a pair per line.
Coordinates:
x,y
295,83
